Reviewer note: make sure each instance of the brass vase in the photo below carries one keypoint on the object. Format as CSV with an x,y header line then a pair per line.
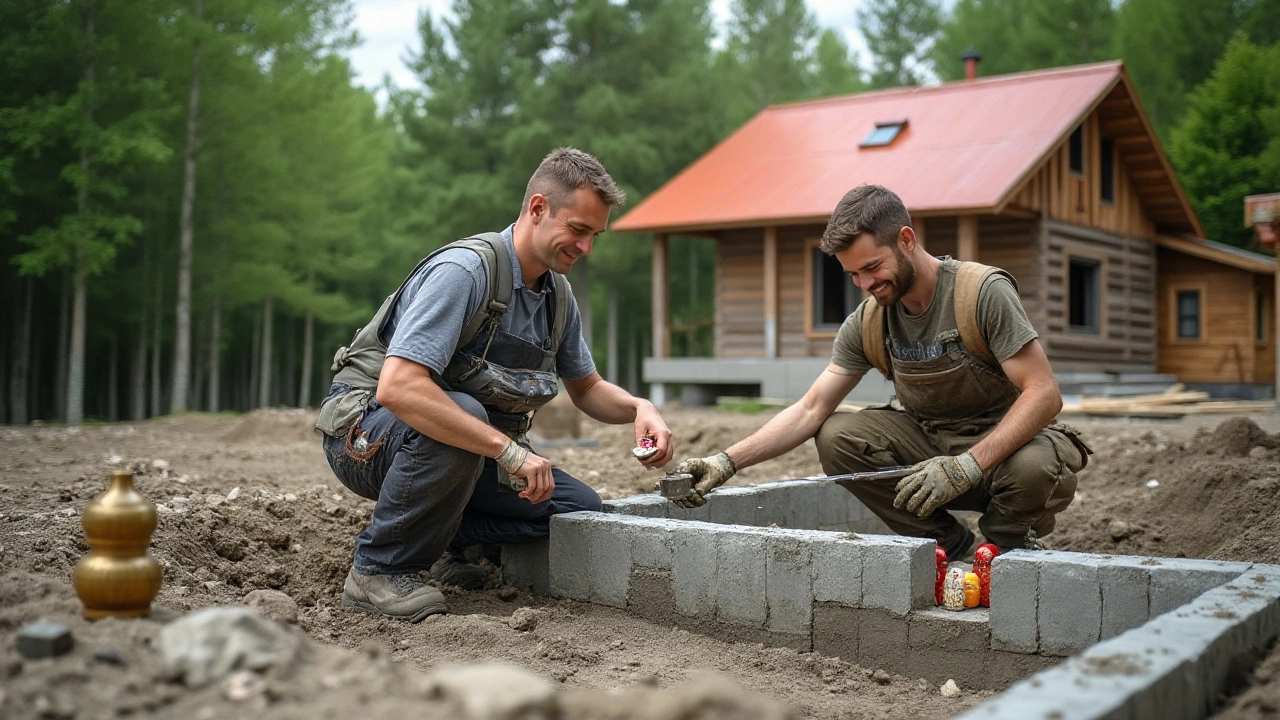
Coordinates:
x,y
117,578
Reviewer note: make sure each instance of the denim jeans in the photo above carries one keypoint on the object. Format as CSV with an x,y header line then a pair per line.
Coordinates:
x,y
431,496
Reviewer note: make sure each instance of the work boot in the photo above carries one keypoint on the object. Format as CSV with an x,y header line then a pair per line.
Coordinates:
x,y
453,569
402,596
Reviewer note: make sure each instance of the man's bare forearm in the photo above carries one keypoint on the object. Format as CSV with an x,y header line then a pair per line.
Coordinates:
x,y
407,390
1029,414
796,423
602,400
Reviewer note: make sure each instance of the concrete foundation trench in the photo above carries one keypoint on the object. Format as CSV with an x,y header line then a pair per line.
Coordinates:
x,y
803,564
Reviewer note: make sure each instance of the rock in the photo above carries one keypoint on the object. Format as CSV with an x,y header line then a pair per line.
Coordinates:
x,y
208,644
1258,453
523,619
274,604
950,689
44,639
494,691
881,677
1119,530
507,593
109,656
241,686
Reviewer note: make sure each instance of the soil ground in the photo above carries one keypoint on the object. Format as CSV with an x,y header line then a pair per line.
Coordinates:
x,y
247,502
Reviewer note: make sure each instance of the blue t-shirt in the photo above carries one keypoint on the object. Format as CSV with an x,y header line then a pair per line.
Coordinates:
x,y
426,322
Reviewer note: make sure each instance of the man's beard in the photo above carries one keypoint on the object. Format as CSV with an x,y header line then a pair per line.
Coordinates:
x,y
904,278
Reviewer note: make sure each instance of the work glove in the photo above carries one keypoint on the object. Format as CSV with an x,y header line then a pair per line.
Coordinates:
x,y
936,482
708,474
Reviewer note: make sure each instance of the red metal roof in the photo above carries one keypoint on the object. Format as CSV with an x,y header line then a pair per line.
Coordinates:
x,y
966,147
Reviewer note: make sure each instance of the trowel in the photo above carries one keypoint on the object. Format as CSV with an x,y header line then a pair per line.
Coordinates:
x,y
677,486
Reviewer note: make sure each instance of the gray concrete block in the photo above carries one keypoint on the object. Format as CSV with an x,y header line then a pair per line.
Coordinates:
x,y
569,555
43,639
1070,608
610,569
789,583
1176,581
835,630
893,569
1125,584
1015,590
938,638
693,569
778,506
837,570
837,507
653,545
805,498
698,514
734,505
524,565
883,641
740,589
648,505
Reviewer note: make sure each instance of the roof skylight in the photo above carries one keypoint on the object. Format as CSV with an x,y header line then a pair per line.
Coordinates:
x,y
884,134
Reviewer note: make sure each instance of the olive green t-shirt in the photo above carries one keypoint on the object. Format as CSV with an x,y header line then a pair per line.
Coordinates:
x,y
1003,322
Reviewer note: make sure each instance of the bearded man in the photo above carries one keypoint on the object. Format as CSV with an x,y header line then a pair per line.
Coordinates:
x,y
975,394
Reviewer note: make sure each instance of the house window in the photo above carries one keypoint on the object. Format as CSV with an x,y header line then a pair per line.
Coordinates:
x,y
884,133
1260,317
1084,289
834,294
1107,165
1187,307
1076,151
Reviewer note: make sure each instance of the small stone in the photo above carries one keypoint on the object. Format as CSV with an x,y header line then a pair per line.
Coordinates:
x,y
1258,452
524,696
523,619
1153,483
274,604
160,464
235,493
109,656
43,638
242,685
1119,530
507,593
648,680
881,677
950,689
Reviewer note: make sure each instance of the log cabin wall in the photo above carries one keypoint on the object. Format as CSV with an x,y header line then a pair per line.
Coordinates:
x,y
1225,350
1012,244
1264,357
1123,339
739,314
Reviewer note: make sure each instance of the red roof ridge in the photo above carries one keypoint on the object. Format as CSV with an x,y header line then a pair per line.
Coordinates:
x,y
955,85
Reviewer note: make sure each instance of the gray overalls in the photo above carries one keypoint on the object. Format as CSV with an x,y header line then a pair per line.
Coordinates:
x,y
430,495
948,404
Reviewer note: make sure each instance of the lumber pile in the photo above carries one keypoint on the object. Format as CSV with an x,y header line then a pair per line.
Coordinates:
x,y
1174,402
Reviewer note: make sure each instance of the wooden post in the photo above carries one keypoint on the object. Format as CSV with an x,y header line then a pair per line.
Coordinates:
x,y
967,237
771,292
661,298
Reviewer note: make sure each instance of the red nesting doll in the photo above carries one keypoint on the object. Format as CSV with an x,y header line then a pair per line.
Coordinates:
x,y
982,558
940,558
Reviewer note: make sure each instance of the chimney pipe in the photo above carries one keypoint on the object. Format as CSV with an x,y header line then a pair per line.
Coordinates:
x,y
971,58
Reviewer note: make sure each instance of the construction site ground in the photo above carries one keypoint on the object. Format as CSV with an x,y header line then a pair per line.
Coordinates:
x,y
246,502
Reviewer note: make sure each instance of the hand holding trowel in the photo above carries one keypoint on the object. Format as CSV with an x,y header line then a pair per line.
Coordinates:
x,y
684,488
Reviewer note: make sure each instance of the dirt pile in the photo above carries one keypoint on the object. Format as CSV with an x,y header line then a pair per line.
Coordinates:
x,y
1214,495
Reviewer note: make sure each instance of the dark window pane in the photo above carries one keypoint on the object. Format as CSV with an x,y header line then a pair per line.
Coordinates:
x,y
1083,298
1107,166
1260,317
1189,314
1077,150
834,295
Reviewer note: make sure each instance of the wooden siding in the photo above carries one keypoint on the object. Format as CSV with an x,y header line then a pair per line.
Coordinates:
x,y
1264,353
1126,339
1071,198
1226,351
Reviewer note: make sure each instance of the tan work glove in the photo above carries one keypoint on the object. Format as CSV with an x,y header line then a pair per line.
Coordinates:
x,y
708,474
936,482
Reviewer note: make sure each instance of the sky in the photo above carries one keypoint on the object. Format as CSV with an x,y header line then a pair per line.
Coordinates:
x,y
390,27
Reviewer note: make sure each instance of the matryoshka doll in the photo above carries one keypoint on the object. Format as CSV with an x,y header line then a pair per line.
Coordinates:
x,y
940,559
972,589
953,590
982,558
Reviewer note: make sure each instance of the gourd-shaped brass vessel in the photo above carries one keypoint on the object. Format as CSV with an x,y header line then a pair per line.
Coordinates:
x,y
117,577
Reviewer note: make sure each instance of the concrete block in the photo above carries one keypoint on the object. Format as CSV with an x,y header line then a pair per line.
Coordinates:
x,y
610,568
698,514
524,565
778,506
837,570
883,641
938,637
897,573
569,555
652,596
734,505
43,639
835,630
837,507
1070,608
740,589
1125,584
653,545
1176,581
1015,589
693,569
647,505
789,582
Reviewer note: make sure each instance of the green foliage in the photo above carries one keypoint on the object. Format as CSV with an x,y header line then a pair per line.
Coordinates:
x,y
900,35
1020,35
1228,144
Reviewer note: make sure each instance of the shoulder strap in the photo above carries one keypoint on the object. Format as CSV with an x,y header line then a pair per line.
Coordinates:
x,y
970,277
497,266
561,292
873,346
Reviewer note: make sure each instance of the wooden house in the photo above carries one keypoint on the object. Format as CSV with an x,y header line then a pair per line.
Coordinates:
x,y
1056,176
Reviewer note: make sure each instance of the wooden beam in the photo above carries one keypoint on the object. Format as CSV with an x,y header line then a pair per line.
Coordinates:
x,y
967,237
771,292
661,298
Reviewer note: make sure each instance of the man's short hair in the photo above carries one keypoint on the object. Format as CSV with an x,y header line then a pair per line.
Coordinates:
x,y
865,209
564,171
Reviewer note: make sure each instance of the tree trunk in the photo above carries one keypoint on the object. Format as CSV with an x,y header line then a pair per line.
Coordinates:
x,y
582,293
155,351
611,330
633,377
215,351
64,335
19,411
264,374
255,364
308,349
139,405
182,323
198,371
113,382
75,369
